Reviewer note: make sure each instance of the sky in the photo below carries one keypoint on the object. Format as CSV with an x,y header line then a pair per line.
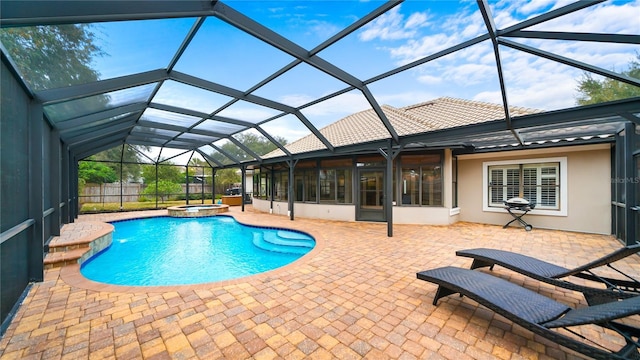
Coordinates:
x,y
414,29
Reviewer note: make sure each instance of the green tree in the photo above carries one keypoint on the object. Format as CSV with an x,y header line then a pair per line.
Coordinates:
x,y
96,172
131,159
255,143
197,168
225,178
166,171
592,91
53,56
199,173
81,185
57,56
164,189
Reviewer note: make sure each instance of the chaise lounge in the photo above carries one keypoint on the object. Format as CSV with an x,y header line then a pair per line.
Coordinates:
x,y
554,274
539,314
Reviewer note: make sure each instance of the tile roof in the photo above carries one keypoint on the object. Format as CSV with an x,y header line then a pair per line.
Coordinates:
x,y
438,114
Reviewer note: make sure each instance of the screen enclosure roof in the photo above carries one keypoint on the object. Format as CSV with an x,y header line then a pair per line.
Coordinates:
x,y
201,77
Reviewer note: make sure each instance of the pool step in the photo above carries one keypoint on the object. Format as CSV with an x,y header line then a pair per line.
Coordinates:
x,y
77,240
63,258
271,242
288,238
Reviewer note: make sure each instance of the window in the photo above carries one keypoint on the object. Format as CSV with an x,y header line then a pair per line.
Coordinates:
x,y
421,180
335,181
504,183
344,180
261,184
256,183
327,185
305,181
280,185
535,182
264,187
310,183
542,181
298,180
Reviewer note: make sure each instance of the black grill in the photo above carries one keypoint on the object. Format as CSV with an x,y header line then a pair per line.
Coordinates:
x,y
521,207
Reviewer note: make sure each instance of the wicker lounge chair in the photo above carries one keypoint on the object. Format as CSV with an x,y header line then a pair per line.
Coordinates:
x,y
539,314
553,274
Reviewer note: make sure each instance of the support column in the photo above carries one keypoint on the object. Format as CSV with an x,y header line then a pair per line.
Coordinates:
x,y
55,183
271,189
389,156
66,185
243,170
156,192
36,192
187,183
388,193
122,178
291,192
213,185
73,203
629,183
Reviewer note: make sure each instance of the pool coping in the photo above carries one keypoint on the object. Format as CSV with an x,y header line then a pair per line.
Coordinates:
x,y
71,274
203,210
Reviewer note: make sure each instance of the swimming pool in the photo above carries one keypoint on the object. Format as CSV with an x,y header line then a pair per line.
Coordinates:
x,y
181,251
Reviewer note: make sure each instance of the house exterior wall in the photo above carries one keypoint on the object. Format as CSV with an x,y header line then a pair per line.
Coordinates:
x,y
588,179
317,211
248,187
401,215
423,215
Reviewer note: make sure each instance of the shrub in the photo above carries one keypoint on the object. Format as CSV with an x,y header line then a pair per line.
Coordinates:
x,y
164,188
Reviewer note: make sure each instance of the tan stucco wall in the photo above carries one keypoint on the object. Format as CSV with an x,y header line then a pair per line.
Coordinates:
x,y
588,188
401,215
422,215
317,211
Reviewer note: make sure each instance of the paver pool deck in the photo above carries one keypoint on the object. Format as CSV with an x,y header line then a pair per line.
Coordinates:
x,y
355,296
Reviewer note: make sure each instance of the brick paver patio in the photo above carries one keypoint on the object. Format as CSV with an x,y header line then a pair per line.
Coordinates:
x,y
355,296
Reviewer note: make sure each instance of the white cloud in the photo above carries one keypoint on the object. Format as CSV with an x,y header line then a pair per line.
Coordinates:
x,y
295,99
289,127
276,10
544,95
470,73
493,97
531,81
416,20
534,82
341,105
604,18
392,26
247,113
322,29
416,49
510,12
550,94
533,6
334,109
464,23
429,79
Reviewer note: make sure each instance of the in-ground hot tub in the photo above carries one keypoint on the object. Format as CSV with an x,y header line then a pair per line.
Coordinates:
x,y
197,210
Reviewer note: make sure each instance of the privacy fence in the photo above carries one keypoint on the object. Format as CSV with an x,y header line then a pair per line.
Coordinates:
x,y
136,192
117,181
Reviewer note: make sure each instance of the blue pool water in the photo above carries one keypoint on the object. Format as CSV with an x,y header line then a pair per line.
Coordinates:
x,y
178,251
